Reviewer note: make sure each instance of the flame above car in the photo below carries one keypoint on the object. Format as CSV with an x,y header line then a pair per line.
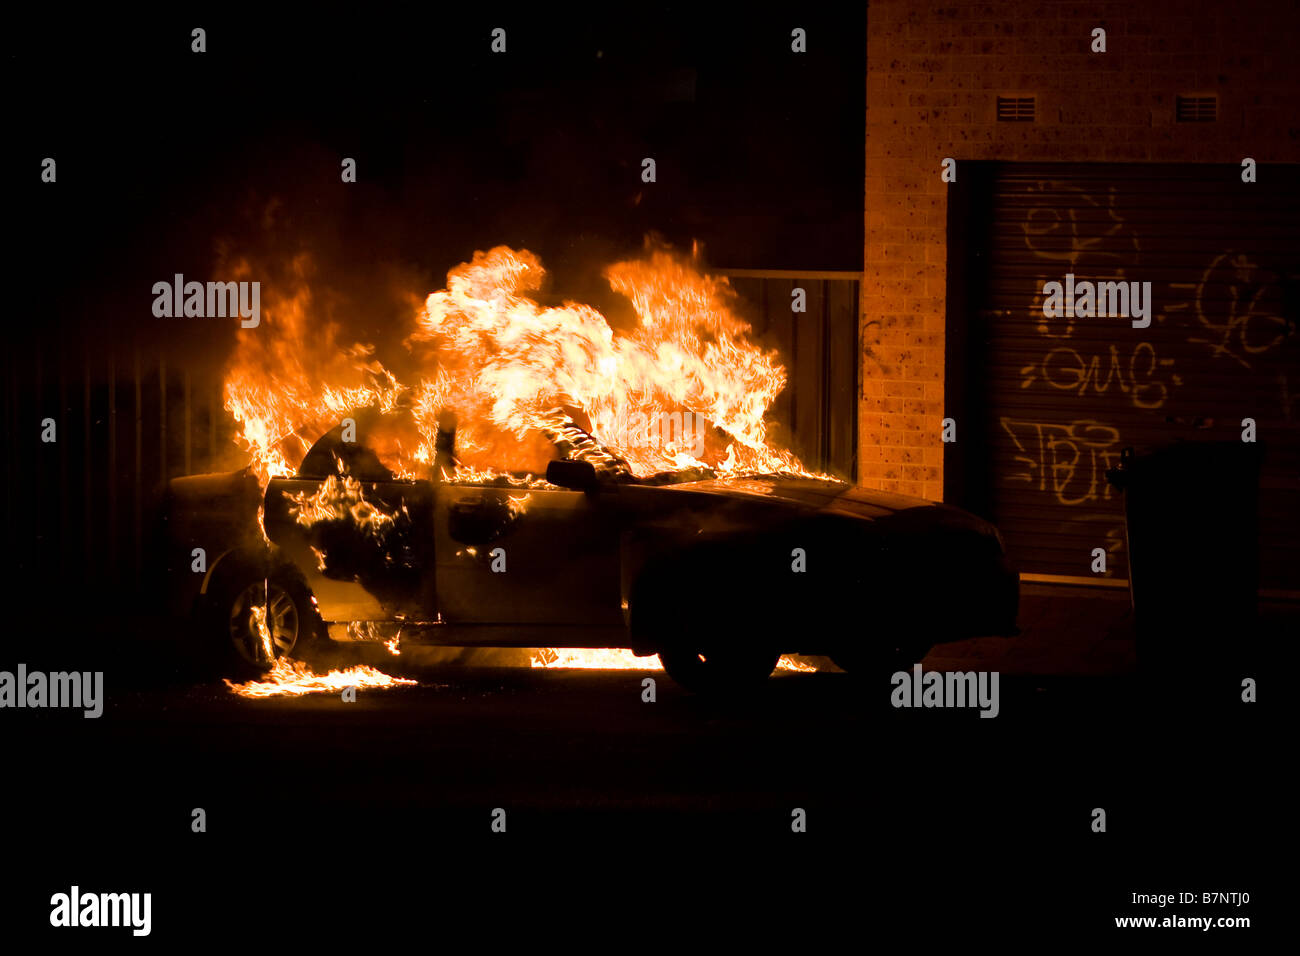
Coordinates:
x,y
513,370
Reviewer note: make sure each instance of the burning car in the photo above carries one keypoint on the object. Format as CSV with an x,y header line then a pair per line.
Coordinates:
x,y
717,576
515,472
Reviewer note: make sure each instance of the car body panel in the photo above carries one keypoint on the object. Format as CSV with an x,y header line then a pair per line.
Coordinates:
x,y
543,557
807,563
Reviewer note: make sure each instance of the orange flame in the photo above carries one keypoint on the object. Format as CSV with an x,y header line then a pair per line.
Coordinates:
x,y
507,363
514,370
294,679
339,497
613,658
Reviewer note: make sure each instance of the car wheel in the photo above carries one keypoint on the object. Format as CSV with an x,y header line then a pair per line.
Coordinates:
x,y
861,658
260,619
722,671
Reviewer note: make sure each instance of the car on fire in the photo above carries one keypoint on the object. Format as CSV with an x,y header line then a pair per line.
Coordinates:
x,y
719,576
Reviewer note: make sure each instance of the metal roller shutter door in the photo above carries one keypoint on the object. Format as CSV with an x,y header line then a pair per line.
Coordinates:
x,y
1059,398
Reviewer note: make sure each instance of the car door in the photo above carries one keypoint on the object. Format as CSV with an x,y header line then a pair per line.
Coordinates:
x,y
365,547
526,556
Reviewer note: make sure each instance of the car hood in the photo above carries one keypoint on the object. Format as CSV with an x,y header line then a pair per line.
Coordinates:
x,y
841,498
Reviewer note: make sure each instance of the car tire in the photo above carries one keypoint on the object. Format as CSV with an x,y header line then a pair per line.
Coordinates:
x,y
279,597
727,671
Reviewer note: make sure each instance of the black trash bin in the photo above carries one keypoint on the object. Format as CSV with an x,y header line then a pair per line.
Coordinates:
x,y
1191,520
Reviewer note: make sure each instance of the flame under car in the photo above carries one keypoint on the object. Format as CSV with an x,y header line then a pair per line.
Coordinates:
x,y
718,576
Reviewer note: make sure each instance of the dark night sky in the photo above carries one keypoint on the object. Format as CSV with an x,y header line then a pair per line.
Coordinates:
x,y
163,153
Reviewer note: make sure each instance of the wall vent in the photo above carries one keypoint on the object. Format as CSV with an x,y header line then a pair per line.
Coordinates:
x,y
1198,109
1015,109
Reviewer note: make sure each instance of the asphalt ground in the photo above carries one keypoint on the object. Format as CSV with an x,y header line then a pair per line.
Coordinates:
x,y
341,813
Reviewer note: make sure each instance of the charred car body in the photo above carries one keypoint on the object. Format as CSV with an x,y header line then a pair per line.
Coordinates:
x,y
719,577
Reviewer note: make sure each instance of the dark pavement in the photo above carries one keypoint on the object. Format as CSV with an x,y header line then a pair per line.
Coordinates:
x,y
320,796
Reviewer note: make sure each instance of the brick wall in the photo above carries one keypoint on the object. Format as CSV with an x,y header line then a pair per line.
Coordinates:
x,y
934,72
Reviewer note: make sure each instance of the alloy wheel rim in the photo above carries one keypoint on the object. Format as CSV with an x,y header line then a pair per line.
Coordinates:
x,y
263,623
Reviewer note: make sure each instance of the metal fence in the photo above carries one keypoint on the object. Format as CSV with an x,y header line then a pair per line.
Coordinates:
x,y
93,431
817,414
